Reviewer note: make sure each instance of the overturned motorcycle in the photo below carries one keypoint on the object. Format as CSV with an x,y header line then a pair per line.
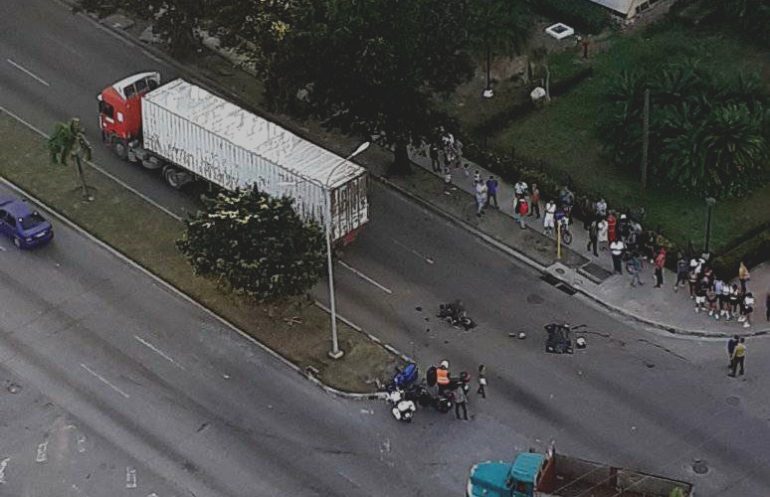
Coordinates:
x,y
454,314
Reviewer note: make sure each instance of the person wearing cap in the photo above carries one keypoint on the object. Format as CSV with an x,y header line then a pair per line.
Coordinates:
x,y
442,376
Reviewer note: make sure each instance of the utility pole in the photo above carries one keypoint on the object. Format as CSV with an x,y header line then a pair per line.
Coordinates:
x,y
645,137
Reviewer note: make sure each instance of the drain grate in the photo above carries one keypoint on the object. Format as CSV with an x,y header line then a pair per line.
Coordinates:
x,y
556,282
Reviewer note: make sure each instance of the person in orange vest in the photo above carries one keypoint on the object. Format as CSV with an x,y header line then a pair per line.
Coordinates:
x,y
442,376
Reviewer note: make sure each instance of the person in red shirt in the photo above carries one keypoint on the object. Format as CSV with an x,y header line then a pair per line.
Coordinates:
x,y
612,223
660,263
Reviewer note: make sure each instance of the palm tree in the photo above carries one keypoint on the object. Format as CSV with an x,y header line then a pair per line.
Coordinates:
x,y
68,141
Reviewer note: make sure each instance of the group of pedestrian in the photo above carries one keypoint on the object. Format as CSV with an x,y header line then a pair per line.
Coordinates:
x,y
719,298
460,388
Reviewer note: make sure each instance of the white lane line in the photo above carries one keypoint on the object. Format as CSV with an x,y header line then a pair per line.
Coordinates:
x,y
418,254
104,380
365,277
157,351
130,477
42,450
28,72
3,465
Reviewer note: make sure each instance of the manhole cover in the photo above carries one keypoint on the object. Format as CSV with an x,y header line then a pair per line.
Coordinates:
x,y
560,270
533,298
700,467
733,400
14,388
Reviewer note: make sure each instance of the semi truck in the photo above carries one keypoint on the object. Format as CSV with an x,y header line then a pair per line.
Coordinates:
x,y
188,134
556,475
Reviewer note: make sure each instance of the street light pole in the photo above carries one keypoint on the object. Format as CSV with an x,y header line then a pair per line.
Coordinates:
x,y
335,352
710,203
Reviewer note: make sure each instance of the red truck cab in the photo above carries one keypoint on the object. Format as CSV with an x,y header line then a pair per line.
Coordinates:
x,y
120,110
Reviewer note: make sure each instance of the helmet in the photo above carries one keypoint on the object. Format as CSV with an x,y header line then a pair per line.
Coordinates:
x,y
444,364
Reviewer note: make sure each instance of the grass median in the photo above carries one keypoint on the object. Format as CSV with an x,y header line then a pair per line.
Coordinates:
x,y
296,329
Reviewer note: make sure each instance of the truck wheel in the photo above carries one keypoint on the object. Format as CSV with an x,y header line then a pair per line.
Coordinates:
x,y
120,148
170,175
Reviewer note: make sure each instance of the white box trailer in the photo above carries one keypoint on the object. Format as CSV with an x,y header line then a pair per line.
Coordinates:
x,y
233,148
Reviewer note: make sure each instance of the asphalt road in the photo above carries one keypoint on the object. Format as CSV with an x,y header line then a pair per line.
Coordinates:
x,y
633,397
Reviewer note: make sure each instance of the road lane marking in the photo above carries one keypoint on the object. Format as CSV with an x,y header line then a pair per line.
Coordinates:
x,y
3,465
418,254
42,450
28,72
365,277
157,351
104,380
130,477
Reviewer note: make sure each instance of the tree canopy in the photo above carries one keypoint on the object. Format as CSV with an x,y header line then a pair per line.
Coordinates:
x,y
709,133
370,67
255,244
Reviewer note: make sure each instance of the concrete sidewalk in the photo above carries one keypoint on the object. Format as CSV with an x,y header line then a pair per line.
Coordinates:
x,y
578,270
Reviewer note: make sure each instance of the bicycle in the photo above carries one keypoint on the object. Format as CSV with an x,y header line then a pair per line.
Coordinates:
x,y
566,235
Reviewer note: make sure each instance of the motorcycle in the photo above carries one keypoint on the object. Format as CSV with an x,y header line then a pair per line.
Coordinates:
x,y
559,340
454,314
401,408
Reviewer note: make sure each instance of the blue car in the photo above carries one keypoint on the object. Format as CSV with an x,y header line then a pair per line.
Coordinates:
x,y
23,225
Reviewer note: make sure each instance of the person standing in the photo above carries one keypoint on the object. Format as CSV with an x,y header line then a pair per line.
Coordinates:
x,y
482,390
476,177
603,235
731,344
634,267
447,181
682,268
743,276
433,152
593,237
711,302
481,198
601,208
492,185
521,208
660,263
724,301
700,295
739,356
460,399
735,299
748,308
612,223
520,188
549,217
617,248
534,199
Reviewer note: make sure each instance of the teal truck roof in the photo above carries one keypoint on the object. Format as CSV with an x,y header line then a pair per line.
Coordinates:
x,y
526,467
494,478
488,479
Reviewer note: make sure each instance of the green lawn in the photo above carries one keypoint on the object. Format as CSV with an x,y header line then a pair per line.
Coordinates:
x,y
563,135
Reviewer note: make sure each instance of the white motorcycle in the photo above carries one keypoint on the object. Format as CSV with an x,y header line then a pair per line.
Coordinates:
x,y
402,409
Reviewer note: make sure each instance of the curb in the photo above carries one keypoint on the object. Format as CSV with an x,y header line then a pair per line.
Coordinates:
x,y
306,374
543,269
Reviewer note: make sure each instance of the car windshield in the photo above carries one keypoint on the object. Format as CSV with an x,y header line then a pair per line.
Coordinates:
x,y
31,220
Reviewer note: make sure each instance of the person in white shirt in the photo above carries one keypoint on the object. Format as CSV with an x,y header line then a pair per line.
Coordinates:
x,y
520,188
549,218
481,197
617,248
603,234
